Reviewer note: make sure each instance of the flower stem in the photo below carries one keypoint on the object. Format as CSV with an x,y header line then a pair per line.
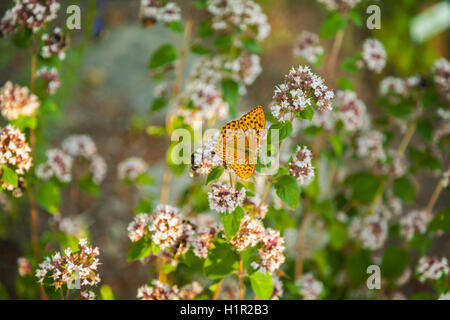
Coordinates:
x,y
434,197
301,241
217,291
241,278
337,44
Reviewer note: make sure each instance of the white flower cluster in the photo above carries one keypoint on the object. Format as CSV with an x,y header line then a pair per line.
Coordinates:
x,y
23,266
271,253
32,14
158,291
351,111
370,144
54,45
64,269
398,86
441,76
69,225
51,77
371,230
166,227
59,165
190,291
243,15
432,268
138,227
250,232
374,55
301,166
223,198
342,6
244,69
310,288
414,222
131,168
277,288
16,101
301,89
205,158
207,99
308,47
152,11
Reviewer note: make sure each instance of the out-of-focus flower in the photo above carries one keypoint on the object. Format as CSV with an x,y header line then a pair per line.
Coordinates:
x,y
432,268
246,68
310,288
444,296
374,55
301,167
152,11
87,295
370,144
79,145
60,164
259,209
51,77
249,234
372,231
16,101
207,99
277,288
54,45
445,178
223,198
343,6
131,168
166,227
66,268
392,86
271,253
161,90
68,225
24,266
158,291
414,222
205,158
203,241
308,47
301,89
243,15
441,76
351,110
138,227
32,14
190,291
98,168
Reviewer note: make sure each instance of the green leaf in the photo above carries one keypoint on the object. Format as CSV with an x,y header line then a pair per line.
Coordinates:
x,y
139,249
89,186
164,55
199,49
230,92
284,130
421,243
175,26
215,174
201,4
205,29
224,42
158,104
395,260
279,219
9,176
423,296
337,144
307,113
355,17
356,266
364,186
251,44
144,179
48,196
24,122
287,190
338,236
441,221
262,285
425,129
106,293
232,221
221,261
346,83
350,64
404,189
332,25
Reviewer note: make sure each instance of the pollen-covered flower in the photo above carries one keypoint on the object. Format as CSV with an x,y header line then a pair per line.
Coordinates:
x,y
351,110
32,14
131,168
51,78
370,144
308,47
343,6
243,15
414,222
374,55
158,291
54,45
432,268
23,266
301,167
271,252
310,288
441,76
138,227
79,145
190,291
223,198
68,267
301,89
16,101
205,158
249,234
166,227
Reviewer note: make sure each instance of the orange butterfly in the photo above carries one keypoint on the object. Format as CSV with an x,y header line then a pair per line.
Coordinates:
x,y
239,140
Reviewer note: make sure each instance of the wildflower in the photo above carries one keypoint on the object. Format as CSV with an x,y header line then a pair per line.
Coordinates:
x,y
414,222
203,241
277,288
158,291
260,209
271,253
308,47
249,234
171,12
351,110
205,158
98,168
66,268
432,268
310,288
131,168
161,90
87,295
138,227
166,227
152,11
223,198
208,99
24,266
370,144
392,86
60,164
54,45
374,55
373,231
243,15
300,90
51,77
301,167
342,6
190,291
245,68
441,76
32,14
68,225
16,101
79,145
185,241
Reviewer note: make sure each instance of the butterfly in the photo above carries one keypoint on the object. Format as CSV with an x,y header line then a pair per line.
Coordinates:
x,y
239,140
